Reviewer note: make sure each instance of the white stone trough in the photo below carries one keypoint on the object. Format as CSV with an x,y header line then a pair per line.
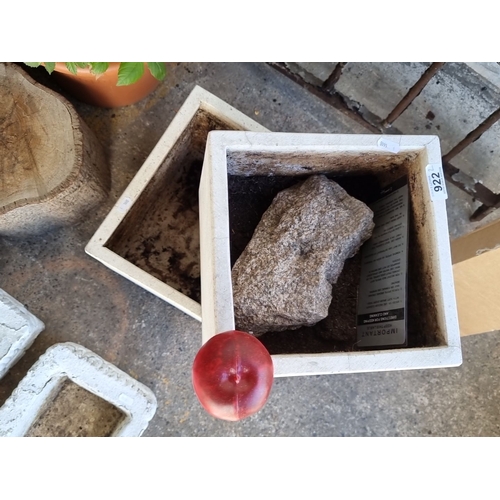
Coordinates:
x,y
18,330
151,235
71,391
433,333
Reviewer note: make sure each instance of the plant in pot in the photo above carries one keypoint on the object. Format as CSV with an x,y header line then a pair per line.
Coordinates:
x,y
106,84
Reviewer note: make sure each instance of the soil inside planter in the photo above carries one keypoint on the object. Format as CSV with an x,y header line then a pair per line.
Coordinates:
x,y
161,233
166,243
75,412
249,198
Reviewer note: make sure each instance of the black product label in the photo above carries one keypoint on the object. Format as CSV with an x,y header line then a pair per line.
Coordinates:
x,y
381,320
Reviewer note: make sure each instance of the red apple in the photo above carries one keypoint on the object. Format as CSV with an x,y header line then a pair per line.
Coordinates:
x,y
232,375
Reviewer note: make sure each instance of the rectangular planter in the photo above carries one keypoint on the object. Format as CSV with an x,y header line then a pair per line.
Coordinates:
x,y
18,330
151,235
71,392
233,159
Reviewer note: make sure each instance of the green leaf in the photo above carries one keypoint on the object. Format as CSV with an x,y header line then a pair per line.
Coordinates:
x,y
32,65
50,67
82,65
72,67
158,70
98,68
129,72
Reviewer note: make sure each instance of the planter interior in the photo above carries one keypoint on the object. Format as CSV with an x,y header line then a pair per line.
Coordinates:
x,y
72,411
155,240
161,233
242,175
249,198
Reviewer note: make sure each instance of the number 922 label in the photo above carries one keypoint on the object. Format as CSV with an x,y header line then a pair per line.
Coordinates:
x,y
437,184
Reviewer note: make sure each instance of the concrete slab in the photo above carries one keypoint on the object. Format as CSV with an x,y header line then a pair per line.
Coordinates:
x,y
456,100
378,87
453,104
488,70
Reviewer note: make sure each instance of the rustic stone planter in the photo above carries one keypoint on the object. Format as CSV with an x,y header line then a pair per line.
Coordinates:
x,y
53,170
151,236
70,392
233,161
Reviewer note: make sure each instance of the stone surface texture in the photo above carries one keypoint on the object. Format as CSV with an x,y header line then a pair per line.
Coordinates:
x,y
313,72
18,330
283,279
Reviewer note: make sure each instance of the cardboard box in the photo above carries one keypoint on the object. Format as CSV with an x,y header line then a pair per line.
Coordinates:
x,y
476,270
151,235
434,339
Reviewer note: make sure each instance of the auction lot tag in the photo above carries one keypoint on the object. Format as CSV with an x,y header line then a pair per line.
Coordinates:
x,y
382,305
437,184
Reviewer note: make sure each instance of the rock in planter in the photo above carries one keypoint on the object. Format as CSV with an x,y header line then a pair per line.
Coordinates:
x,y
52,168
283,279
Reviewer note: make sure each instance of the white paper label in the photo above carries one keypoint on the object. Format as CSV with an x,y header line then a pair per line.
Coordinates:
x,y
124,205
388,145
436,181
382,314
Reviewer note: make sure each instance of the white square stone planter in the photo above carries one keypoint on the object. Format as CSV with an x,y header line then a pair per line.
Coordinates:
x,y
434,339
151,235
18,330
35,401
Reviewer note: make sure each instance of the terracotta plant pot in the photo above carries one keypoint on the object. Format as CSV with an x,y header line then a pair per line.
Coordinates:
x,y
102,90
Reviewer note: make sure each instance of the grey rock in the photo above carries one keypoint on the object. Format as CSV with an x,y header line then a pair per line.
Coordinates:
x,y
283,279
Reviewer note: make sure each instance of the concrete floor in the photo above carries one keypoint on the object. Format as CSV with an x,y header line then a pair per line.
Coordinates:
x,y
82,301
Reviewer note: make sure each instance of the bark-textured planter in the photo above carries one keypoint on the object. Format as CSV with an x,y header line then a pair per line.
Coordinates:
x,y
71,392
101,90
18,330
151,235
53,170
236,163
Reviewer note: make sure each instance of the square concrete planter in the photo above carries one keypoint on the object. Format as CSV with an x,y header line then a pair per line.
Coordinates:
x,y
18,330
151,235
70,392
234,158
